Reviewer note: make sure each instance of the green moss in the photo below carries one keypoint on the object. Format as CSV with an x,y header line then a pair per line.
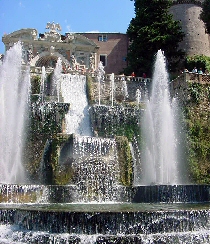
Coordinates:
x,y
125,160
43,126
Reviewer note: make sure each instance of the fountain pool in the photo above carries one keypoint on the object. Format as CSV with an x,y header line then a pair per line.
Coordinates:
x,y
95,208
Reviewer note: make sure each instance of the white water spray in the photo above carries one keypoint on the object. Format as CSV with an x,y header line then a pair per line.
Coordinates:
x,y
56,79
14,93
100,78
112,88
42,87
73,90
160,164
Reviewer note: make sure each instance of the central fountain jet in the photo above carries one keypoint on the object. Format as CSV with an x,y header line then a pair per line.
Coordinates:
x,y
159,158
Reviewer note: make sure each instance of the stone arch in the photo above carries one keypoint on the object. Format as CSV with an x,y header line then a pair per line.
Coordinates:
x,y
44,59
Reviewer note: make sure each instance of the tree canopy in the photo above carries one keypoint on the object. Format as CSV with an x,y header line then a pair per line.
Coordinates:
x,y
205,15
151,29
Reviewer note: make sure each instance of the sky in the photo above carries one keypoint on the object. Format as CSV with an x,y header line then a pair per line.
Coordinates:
x,y
72,15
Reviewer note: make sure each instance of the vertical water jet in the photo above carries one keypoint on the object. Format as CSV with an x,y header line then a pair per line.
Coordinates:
x,y
160,164
14,93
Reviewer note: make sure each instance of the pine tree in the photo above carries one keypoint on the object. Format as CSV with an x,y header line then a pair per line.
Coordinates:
x,y
151,29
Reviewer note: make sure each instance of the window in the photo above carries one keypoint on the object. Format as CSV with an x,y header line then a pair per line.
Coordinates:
x,y
103,59
102,38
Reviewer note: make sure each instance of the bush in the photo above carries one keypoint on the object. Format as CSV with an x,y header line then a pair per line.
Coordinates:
x,y
199,61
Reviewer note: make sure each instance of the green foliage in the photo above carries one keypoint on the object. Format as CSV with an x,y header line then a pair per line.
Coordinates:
x,y
153,28
205,15
199,61
198,129
195,92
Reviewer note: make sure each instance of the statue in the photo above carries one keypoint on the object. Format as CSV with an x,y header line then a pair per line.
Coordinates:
x,y
73,62
53,27
92,61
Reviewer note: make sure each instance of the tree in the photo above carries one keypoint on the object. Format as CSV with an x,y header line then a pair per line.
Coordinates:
x,y
152,28
205,15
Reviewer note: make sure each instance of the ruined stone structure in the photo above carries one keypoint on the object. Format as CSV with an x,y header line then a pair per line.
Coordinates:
x,y
196,41
78,51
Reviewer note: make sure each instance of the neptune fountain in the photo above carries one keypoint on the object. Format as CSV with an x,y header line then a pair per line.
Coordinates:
x,y
156,205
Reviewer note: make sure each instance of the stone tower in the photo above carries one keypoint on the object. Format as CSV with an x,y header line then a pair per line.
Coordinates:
x,y
196,41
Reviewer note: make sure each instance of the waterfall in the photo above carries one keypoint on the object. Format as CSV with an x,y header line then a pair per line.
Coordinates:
x,y
97,169
14,93
73,90
160,164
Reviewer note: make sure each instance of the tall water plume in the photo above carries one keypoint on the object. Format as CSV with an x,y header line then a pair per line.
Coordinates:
x,y
160,164
14,93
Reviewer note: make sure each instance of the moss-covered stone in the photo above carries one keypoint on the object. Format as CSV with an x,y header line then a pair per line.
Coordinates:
x,y
125,160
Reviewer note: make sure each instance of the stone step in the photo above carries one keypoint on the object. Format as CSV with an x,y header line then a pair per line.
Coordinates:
x,y
108,223
11,193
44,237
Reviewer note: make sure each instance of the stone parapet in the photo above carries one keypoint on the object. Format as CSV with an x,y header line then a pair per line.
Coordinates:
x,y
125,89
179,87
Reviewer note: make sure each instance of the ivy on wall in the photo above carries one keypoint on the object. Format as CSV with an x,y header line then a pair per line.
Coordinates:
x,y
198,120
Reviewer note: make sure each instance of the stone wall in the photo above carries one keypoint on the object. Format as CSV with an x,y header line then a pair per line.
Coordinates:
x,y
196,41
115,48
179,87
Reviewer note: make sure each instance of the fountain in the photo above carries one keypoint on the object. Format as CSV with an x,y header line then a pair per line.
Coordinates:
x,y
14,90
158,126
95,206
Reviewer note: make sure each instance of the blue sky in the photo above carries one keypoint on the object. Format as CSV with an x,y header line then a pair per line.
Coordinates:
x,y
72,15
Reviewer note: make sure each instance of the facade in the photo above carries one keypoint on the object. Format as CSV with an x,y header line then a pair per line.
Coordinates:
x,y
113,48
78,51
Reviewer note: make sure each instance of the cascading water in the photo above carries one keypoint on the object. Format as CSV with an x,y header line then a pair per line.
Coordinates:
x,y
159,158
73,90
97,169
14,93
46,213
